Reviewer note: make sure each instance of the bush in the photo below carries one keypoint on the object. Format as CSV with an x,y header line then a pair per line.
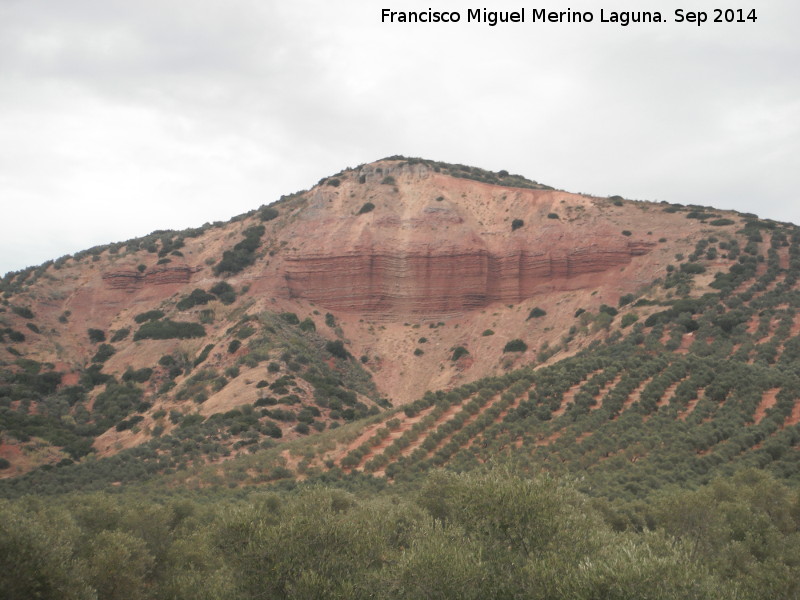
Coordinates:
x,y
138,375
487,332
388,180
629,319
96,335
516,224
197,297
203,355
458,352
224,291
552,216
150,315
515,345
243,253
104,352
308,324
367,207
626,233
692,268
22,311
120,334
722,222
291,318
268,214
168,329
337,349
535,313
234,346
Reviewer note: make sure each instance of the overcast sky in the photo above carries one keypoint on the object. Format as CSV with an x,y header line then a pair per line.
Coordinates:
x,y
118,118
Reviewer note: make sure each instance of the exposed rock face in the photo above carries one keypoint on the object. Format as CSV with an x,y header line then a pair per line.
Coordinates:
x,y
130,279
444,280
438,246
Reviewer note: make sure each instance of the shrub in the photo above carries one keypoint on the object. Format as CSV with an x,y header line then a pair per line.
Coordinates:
x,y
367,207
138,375
197,297
388,180
268,213
22,311
333,182
458,352
616,200
120,334
330,320
626,233
419,352
692,268
150,315
203,355
515,345
308,324
626,299
535,313
290,318
234,346
104,352
337,349
96,335
629,319
722,222
516,224
487,332
243,253
552,216
609,310
224,291
167,329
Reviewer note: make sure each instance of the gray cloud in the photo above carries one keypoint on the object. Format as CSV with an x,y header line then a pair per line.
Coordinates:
x,y
119,118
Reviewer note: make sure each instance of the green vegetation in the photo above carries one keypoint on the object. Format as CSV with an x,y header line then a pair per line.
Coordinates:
x,y
365,208
515,345
165,329
96,335
268,213
104,352
536,313
243,254
487,534
458,352
501,177
22,311
196,298
150,315
516,224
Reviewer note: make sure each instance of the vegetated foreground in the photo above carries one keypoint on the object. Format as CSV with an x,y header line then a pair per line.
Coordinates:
x,y
642,356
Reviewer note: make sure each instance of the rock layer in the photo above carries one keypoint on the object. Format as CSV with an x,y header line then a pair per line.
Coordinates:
x,y
129,279
445,281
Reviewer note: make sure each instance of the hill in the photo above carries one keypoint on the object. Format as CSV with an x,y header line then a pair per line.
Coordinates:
x,y
504,317
412,380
